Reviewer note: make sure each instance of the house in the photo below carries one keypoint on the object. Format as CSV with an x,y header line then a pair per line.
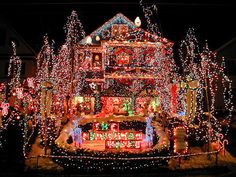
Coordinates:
x,y
228,51
23,50
122,62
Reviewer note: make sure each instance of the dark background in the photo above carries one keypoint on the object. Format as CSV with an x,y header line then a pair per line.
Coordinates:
x,y
213,21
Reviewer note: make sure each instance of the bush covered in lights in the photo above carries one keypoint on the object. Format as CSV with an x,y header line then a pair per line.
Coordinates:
x,y
87,160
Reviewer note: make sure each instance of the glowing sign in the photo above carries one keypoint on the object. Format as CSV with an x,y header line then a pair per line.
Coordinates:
x,y
97,126
127,144
114,137
121,135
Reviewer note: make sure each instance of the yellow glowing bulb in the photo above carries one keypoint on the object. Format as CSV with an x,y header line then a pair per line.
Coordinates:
x,y
137,22
97,38
89,40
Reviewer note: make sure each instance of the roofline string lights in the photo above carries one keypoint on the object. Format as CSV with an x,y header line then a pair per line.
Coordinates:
x,y
119,64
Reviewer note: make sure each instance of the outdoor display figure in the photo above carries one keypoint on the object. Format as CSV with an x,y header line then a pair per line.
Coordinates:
x,y
149,132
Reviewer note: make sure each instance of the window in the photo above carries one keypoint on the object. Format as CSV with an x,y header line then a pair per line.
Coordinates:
x,y
123,29
115,30
97,60
118,29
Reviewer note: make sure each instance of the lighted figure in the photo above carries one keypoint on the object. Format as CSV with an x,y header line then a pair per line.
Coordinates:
x,y
19,93
30,82
5,107
76,132
149,132
78,136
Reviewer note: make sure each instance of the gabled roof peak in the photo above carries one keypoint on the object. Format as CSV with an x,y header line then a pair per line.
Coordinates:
x,y
119,18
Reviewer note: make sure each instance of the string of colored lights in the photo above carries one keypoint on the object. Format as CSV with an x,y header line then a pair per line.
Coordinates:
x,y
119,60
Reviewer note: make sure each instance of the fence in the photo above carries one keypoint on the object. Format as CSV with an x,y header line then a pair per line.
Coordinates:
x,y
178,156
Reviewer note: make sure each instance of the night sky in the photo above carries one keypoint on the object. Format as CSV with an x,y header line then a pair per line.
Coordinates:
x,y
213,21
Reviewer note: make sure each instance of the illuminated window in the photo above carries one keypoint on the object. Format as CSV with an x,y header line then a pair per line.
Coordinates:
x,y
119,29
123,29
97,60
115,30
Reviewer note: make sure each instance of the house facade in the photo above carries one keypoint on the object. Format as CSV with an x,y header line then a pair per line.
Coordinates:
x,y
124,63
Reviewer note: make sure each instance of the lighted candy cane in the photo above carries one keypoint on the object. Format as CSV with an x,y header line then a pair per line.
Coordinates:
x,y
225,142
19,93
5,107
221,136
30,81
